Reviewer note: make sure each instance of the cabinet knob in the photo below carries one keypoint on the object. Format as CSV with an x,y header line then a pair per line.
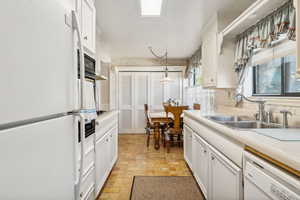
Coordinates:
x,y
85,37
97,123
204,151
212,158
106,140
211,80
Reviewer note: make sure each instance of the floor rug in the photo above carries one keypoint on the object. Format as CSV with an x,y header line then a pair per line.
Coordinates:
x,y
165,188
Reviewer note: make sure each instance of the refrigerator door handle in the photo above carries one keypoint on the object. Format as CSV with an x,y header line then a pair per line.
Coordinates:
x,y
76,27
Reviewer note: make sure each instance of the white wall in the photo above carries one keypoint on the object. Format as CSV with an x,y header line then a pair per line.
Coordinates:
x,y
102,50
205,97
103,87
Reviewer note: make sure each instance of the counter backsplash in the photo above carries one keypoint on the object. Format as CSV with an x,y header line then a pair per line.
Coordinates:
x,y
225,104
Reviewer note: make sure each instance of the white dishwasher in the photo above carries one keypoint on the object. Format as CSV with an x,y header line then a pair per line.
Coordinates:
x,y
264,181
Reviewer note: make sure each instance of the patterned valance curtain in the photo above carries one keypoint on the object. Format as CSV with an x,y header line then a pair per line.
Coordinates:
x,y
261,35
193,62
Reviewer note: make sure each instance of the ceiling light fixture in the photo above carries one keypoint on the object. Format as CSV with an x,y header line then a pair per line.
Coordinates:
x,y
151,7
166,78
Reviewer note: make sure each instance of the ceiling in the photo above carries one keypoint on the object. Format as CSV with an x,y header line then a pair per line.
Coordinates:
x,y
127,35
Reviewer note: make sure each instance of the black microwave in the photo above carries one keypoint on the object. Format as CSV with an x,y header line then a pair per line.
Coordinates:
x,y
90,66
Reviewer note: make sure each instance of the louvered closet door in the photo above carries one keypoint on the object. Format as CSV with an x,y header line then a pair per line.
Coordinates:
x,y
156,91
125,102
141,97
139,88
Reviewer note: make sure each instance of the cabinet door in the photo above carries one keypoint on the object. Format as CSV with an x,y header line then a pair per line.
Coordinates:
x,y
225,178
88,24
156,91
188,142
209,55
140,97
200,163
102,161
114,144
126,107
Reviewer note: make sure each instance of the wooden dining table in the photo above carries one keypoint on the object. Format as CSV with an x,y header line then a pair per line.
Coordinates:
x,y
158,118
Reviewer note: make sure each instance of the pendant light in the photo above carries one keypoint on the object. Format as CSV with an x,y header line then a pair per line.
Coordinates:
x,y
162,58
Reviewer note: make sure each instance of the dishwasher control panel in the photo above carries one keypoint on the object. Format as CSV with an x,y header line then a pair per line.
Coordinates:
x,y
281,193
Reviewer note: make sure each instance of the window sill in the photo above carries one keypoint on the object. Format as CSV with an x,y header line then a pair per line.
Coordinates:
x,y
282,101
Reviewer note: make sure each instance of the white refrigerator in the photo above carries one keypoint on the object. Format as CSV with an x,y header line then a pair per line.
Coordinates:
x,y
38,92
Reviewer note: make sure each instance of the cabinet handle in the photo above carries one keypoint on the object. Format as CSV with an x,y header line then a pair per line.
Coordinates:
x,y
97,123
85,37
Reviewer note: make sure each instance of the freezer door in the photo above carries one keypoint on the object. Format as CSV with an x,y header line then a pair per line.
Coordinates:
x,y
38,70
37,161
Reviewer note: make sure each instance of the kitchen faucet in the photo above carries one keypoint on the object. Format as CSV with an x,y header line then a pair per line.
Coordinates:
x,y
285,114
261,106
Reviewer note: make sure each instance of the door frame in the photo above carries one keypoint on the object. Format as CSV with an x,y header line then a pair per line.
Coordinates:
x,y
119,69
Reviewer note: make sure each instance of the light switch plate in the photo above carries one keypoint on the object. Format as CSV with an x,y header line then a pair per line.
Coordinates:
x,y
68,20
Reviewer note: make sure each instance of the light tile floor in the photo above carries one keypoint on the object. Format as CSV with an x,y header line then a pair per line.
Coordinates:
x,y
135,159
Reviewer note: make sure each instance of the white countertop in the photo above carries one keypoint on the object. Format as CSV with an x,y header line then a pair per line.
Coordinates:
x,y
106,115
287,152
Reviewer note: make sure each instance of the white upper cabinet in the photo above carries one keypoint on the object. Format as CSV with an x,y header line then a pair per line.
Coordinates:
x,y
218,67
87,12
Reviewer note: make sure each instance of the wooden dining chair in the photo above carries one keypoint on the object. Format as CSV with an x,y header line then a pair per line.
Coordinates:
x,y
149,125
197,106
176,130
168,125
166,105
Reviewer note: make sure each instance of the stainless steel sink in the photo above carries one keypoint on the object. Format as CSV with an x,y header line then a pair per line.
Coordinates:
x,y
221,118
224,118
251,125
241,122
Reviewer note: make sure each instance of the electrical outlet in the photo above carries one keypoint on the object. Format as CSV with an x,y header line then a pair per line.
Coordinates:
x,y
68,20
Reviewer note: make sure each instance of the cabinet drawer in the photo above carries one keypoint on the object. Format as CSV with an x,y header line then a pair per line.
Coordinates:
x,y
199,140
88,183
105,126
88,143
89,157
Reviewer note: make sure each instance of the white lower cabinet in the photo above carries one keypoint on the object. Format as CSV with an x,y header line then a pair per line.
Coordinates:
x,y
188,146
224,176
218,177
200,163
106,156
114,144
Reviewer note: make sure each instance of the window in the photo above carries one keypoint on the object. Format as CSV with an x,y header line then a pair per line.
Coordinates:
x,y
196,77
276,78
